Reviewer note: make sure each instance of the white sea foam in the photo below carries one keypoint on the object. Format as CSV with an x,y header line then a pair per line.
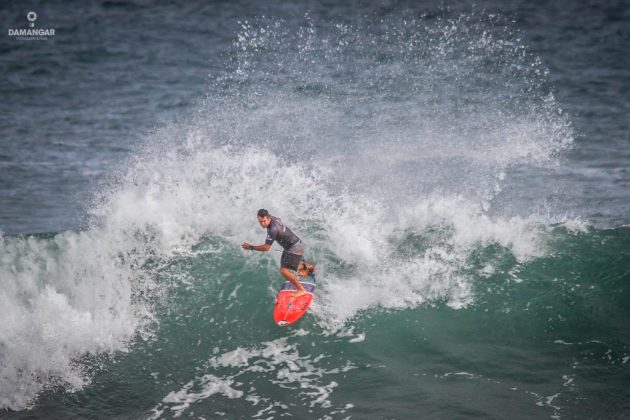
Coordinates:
x,y
62,298
278,362
209,385
365,234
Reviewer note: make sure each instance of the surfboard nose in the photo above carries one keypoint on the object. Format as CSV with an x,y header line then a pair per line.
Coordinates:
x,y
288,309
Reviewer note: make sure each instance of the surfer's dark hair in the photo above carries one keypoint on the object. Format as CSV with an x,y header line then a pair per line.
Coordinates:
x,y
263,213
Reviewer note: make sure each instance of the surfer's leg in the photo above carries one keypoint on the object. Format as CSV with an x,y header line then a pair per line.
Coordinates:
x,y
289,275
289,263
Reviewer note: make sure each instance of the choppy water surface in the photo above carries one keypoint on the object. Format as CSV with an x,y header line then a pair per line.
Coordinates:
x,y
459,173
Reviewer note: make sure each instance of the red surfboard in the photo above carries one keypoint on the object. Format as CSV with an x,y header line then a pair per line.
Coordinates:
x,y
289,309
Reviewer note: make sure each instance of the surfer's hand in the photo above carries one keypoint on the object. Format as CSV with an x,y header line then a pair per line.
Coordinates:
x,y
246,245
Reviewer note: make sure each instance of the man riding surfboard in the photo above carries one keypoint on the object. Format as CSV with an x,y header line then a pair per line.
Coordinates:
x,y
291,260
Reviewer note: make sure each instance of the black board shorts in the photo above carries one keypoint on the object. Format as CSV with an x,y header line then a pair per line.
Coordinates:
x,y
290,261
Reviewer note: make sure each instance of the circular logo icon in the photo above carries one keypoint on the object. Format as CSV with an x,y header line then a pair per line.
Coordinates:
x,y
31,16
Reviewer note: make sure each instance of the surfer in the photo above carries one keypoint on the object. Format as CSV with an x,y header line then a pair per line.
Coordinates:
x,y
291,260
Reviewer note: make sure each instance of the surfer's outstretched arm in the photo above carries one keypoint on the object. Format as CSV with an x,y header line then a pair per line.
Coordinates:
x,y
262,248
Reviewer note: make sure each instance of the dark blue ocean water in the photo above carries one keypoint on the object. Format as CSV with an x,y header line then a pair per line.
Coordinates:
x,y
459,171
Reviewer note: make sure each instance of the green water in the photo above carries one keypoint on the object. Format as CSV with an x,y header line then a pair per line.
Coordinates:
x,y
544,338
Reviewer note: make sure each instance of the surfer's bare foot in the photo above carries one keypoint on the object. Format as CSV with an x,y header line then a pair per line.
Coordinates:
x,y
299,293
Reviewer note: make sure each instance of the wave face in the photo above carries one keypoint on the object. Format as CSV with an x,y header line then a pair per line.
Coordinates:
x,y
385,145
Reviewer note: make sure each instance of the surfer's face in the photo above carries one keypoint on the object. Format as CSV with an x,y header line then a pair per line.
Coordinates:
x,y
264,221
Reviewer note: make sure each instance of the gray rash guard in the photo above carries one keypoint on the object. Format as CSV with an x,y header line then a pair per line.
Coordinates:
x,y
277,231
